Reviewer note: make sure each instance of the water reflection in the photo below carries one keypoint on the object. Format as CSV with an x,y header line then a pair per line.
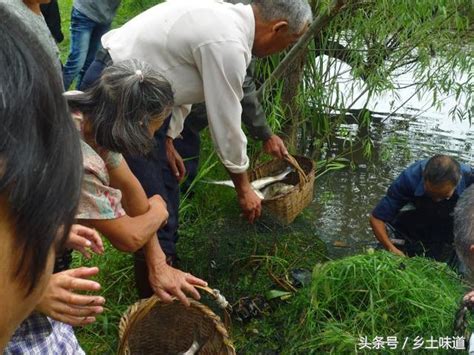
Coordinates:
x,y
344,199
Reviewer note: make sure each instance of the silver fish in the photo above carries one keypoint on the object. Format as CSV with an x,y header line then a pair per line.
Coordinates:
x,y
257,185
196,346
276,189
230,183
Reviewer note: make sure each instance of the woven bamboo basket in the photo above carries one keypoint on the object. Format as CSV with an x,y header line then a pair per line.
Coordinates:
x,y
151,327
287,206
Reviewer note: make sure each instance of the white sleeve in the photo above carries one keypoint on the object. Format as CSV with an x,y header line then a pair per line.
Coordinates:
x,y
178,115
223,67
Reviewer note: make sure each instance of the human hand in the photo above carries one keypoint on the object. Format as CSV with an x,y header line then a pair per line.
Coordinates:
x,y
82,238
174,160
469,297
275,146
61,303
396,251
167,282
159,206
250,204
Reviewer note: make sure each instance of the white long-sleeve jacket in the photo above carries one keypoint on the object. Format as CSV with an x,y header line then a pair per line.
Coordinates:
x,y
202,47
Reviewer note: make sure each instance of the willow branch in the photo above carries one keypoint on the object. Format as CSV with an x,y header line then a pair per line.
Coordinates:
x,y
318,24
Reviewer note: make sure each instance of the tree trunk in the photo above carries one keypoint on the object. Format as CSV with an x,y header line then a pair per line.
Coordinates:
x,y
289,100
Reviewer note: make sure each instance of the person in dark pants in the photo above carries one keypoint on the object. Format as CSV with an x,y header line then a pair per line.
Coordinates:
x,y
418,208
53,19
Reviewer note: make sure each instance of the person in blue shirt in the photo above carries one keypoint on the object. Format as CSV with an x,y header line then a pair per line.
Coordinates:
x,y
418,207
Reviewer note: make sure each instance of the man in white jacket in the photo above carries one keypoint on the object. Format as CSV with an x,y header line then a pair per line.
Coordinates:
x,y
203,48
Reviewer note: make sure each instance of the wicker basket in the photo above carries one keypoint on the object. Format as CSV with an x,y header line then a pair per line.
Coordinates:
x,y
152,327
287,206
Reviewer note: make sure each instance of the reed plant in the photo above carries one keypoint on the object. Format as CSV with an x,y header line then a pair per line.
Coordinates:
x,y
375,295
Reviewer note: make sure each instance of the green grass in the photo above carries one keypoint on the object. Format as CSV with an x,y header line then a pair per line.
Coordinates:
x,y
118,288
364,295
237,258
376,294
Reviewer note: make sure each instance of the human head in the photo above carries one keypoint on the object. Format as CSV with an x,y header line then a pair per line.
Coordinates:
x,y
279,24
125,106
464,229
441,175
40,170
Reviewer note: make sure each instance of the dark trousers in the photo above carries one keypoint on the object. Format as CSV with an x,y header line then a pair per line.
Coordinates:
x,y
156,177
94,70
52,16
425,237
188,147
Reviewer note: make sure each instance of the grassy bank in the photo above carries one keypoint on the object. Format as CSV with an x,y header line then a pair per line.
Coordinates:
x,y
365,296
239,259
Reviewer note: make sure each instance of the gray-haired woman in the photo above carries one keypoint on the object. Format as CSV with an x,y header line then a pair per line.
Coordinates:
x,y
119,115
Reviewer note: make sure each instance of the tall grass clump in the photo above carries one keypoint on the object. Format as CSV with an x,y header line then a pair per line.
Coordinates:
x,y
376,295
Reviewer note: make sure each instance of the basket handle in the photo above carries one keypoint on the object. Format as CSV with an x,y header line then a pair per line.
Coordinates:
x,y
221,302
217,296
141,308
301,174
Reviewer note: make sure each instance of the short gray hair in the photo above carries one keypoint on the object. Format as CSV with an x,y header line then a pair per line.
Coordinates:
x,y
464,228
296,12
121,105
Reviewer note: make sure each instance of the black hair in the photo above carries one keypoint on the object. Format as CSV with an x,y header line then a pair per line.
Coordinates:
x,y
40,156
121,105
441,169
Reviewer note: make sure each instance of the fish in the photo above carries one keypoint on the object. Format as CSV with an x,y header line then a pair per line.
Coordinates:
x,y
198,343
257,185
276,189
261,183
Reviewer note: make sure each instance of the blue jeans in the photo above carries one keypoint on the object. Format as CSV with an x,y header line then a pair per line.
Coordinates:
x,y
85,40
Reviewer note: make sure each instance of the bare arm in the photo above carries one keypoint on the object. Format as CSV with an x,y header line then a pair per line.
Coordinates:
x,y
127,233
144,216
165,280
378,227
134,199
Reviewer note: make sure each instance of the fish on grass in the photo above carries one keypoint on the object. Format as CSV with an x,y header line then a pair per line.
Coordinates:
x,y
259,184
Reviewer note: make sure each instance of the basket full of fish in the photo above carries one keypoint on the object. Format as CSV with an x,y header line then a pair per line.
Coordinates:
x,y
152,327
286,186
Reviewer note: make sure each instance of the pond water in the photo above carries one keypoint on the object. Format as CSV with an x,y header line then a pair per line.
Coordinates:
x,y
345,198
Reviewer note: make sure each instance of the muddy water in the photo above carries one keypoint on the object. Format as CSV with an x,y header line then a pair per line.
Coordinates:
x,y
345,198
